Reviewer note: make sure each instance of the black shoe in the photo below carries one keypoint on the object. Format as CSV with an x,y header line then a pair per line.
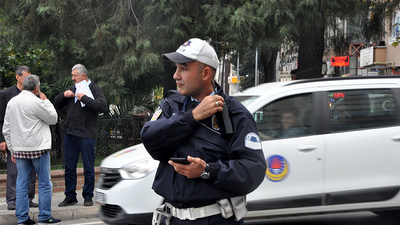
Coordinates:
x,y
33,205
50,221
88,202
11,207
28,221
67,202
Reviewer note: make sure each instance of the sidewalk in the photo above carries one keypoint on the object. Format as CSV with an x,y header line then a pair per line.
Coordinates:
x,y
74,212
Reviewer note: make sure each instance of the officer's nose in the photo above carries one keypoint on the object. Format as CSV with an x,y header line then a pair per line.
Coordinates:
x,y
177,75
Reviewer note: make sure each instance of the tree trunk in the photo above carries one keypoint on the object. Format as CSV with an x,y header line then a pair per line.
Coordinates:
x,y
169,81
311,51
268,60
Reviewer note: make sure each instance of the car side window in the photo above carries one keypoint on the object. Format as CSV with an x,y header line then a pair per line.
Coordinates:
x,y
359,109
285,118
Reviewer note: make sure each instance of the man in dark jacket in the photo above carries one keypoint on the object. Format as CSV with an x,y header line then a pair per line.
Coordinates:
x,y
223,165
5,96
84,101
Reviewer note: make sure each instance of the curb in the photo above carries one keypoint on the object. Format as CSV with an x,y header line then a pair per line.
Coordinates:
x,y
57,178
62,214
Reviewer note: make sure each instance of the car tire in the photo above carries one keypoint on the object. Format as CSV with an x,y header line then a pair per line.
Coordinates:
x,y
388,213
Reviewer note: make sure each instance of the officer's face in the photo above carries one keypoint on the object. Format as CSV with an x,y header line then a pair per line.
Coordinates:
x,y
189,80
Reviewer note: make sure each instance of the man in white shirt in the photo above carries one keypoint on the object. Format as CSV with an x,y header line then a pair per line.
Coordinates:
x,y
5,96
27,133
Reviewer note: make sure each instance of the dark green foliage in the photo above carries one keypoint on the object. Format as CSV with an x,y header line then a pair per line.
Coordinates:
x,y
121,41
105,36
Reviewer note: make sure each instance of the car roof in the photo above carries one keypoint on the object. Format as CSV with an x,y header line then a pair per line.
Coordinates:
x,y
344,79
266,88
258,90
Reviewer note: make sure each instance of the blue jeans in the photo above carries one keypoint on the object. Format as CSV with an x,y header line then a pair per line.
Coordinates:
x,y
42,167
12,174
73,146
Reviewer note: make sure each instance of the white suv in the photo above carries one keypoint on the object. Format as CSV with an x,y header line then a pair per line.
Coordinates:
x,y
330,144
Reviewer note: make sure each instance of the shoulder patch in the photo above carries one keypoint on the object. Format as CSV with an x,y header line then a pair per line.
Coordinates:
x,y
252,141
156,114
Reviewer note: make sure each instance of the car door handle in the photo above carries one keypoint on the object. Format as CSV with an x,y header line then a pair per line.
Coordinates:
x,y
307,148
396,138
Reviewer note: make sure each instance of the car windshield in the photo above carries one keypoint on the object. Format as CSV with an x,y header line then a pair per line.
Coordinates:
x,y
246,100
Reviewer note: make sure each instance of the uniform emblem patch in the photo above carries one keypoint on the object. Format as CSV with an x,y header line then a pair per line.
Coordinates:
x,y
214,122
156,114
182,48
252,141
277,168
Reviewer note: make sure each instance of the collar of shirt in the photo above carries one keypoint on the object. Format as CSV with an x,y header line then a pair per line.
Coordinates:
x,y
195,100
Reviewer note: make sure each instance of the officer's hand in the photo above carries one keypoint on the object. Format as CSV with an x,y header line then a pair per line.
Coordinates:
x,y
69,94
3,146
208,107
192,170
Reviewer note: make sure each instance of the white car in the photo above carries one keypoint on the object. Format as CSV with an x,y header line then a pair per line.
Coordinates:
x,y
330,144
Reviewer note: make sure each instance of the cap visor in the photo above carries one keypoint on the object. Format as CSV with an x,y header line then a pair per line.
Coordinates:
x,y
177,57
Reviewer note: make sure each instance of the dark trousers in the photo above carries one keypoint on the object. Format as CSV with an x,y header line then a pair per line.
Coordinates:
x,y
212,220
73,147
12,174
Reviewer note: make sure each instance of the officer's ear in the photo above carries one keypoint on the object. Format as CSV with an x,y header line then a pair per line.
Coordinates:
x,y
206,73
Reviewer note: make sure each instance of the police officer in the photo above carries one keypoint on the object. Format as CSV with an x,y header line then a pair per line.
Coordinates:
x,y
223,165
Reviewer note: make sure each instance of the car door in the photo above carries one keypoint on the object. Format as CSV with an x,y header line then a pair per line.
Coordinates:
x,y
363,146
294,159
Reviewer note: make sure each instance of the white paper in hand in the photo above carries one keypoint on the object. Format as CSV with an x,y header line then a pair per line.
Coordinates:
x,y
83,87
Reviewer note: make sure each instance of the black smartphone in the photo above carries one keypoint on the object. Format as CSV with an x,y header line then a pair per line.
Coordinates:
x,y
180,160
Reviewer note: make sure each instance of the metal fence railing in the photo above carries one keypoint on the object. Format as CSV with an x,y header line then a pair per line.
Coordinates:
x,y
114,135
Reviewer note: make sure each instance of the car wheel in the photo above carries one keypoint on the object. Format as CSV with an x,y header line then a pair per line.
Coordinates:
x,y
388,213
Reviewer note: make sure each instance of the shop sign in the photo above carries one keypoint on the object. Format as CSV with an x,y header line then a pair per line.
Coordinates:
x,y
340,61
367,56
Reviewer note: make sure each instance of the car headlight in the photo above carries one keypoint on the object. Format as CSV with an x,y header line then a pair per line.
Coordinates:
x,y
138,169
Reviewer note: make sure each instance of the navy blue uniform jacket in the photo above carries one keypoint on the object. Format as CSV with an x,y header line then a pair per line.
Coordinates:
x,y
237,163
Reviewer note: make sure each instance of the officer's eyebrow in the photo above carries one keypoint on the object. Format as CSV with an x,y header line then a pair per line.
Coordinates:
x,y
182,64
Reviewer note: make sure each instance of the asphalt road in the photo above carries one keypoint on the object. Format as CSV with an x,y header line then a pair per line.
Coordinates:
x,y
358,218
